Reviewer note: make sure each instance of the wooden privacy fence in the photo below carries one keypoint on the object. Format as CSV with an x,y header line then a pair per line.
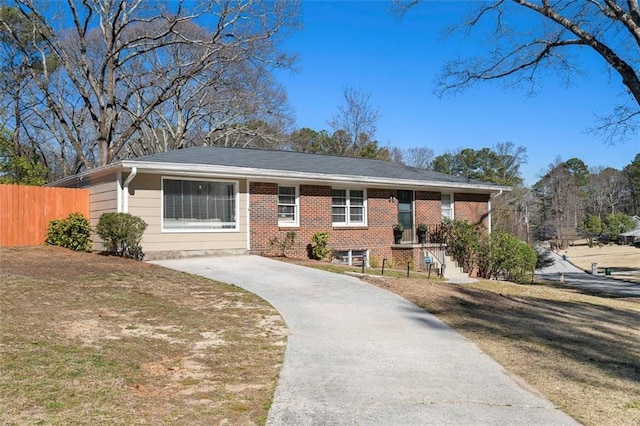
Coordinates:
x,y
25,211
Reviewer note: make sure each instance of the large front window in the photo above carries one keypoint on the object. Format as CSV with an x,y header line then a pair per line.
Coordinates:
x,y
199,205
348,207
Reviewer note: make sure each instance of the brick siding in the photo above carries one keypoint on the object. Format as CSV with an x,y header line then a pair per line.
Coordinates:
x,y
428,207
474,208
315,216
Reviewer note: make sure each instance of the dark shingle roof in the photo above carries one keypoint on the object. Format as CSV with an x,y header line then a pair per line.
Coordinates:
x,y
289,161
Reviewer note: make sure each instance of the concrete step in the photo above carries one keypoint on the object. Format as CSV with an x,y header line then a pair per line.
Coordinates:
x,y
452,269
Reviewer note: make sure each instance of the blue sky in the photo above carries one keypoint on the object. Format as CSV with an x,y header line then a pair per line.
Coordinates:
x,y
361,44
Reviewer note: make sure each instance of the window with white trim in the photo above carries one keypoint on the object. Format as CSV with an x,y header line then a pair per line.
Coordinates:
x,y
287,206
348,207
447,206
199,205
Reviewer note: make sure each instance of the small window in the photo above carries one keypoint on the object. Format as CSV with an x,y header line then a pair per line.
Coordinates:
x,y
287,206
447,206
197,205
348,207
352,257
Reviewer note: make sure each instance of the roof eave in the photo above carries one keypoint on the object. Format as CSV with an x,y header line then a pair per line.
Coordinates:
x,y
257,173
260,174
97,172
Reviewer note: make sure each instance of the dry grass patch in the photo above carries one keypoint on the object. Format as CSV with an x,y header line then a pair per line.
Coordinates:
x,y
624,260
90,339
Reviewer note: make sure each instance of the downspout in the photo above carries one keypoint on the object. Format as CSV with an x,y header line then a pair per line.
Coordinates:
x,y
119,193
248,224
125,189
489,208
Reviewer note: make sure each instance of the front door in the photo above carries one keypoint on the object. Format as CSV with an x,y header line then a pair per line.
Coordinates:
x,y
405,213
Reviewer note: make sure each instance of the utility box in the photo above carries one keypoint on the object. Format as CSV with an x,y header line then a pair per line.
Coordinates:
x,y
594,269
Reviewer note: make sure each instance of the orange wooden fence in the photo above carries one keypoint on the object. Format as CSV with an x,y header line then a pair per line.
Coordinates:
x,y
25,211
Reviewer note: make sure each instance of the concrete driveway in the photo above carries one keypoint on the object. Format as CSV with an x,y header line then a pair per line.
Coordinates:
x,y
359,355
572,276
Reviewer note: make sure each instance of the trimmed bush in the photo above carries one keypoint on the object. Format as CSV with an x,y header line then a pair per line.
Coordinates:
x,y
319,245
121,234
73,233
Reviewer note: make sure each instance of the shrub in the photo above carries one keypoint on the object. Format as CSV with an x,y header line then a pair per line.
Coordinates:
x,y
285,244
543,259
463,242
512,258
121,234
73,233
319,245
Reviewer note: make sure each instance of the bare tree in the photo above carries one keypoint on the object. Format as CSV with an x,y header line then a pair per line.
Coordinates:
x,y
558,193
514,211
607,189
358,119
117,67
519,53
245,108
396,155
419,157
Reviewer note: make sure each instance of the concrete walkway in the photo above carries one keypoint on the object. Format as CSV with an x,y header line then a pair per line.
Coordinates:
x,y
571,276
359,355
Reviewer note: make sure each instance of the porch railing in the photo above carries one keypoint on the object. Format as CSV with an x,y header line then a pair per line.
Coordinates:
x,y
434,235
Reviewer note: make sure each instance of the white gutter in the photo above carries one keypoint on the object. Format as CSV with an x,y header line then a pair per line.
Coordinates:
x,y
256,174
125,189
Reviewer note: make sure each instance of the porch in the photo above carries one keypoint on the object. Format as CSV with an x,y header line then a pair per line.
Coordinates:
x,y
423,249
431,234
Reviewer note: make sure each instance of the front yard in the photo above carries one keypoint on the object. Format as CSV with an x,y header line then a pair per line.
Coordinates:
x,y
90,339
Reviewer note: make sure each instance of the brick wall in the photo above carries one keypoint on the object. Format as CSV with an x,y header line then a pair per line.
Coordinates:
x,y
263,215
315,216
402,256
428,207
473,208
